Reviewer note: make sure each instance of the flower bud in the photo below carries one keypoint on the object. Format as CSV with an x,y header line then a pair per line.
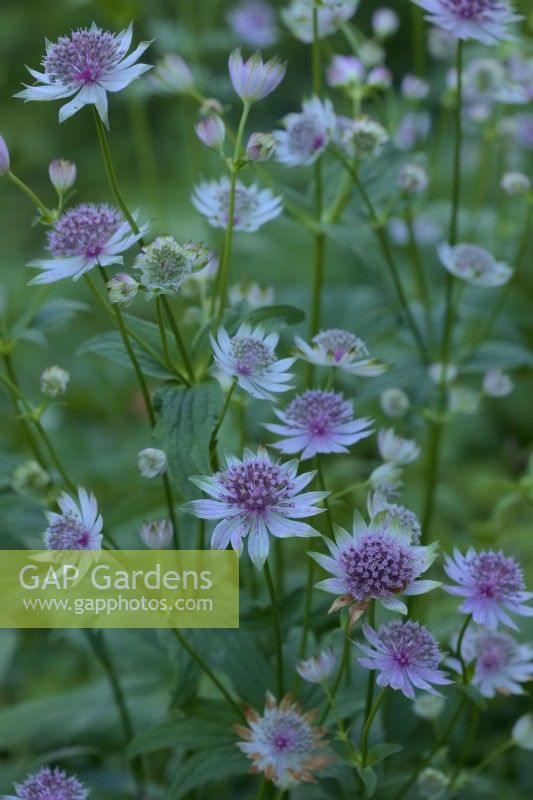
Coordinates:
x,y
497,384
438,375
371,54
29,477
5,164
210,105
345,71
386,478
385,22
414,88
412,179
379,78
515,183
173,75
432,784
156,535
62,175
429,706
523,732
463,400
317,669
151,462
122,289
261,146
394,402
211,131
252,295
54,381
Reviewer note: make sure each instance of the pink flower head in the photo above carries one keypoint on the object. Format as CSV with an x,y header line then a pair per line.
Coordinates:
x,y
50,784
318,422
255,498
77,527
339,348
491,584
406,656
501,664
252,79
86,63
485,21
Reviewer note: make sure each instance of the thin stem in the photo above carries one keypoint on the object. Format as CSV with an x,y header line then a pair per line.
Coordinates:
x,y
24,422
162,331
277,628
101,652
343,735
368,724
456,188
442,739
222,415
226,252
208,671
133,358
344,662
418,40
432,475
54,457
322,485
372,673
178,339
29,193
111,176
459,647
320,242
494,753
308,603
261,792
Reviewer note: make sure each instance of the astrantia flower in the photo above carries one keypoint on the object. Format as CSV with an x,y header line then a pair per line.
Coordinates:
x,y
497,384
172,74
318,422
251,295
253,206
48,784
412,179
473,264
338,348
151,462
500,662
298,17
253,498
385,22
29,477
485,21
386,478
87,63
250,357
317,669
166,264
211,131
377,503
83,237
54,381
62,175
156,535
253,22
283,743
394,402
406,656
306,133
363,138
375,562
77,527
253,80
414,88
515,183
395,449
491,583
413,130
5,162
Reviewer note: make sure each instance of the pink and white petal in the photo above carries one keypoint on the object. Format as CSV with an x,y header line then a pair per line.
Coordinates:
x,y
43,93
120,78
283,528
56,269
134,55
84,97
332,585
258,543
394,604
211,509
222,534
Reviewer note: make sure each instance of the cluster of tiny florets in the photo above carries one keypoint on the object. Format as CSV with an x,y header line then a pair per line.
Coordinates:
x,y
256,485
82,57
377,565
252,355
319,409
84,230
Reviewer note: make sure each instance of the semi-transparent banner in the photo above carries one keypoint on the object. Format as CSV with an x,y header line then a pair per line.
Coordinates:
x,y
119,589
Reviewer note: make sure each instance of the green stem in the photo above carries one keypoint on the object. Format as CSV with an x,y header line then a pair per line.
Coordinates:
x,y
162,332
344,662
101,652
208,671
321,483
277,629
320,242
133,358
456,187
418,40
28,192
432,475
458,649
371,682
54,457
494,753
442,739
111,176
222,415
226,252
368,724
28,433
418,270
308,603
178,339
261,792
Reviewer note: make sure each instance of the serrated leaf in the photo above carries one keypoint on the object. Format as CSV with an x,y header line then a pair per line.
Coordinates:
x,y
109,345
223,762
186,419
381,751
175,731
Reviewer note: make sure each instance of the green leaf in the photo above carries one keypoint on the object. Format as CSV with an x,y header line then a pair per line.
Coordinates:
x,y
175,731
491,355
186,420
222,762
369,778
109,345
382,751
55,313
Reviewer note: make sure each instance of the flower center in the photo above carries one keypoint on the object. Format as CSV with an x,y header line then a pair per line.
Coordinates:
x,y
246,203
82,58
472,9
256,486
252,356
68,534
378,565
337,343
473,261
497,577
410,644
307,134
288,736
494,651
84,230
319,411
